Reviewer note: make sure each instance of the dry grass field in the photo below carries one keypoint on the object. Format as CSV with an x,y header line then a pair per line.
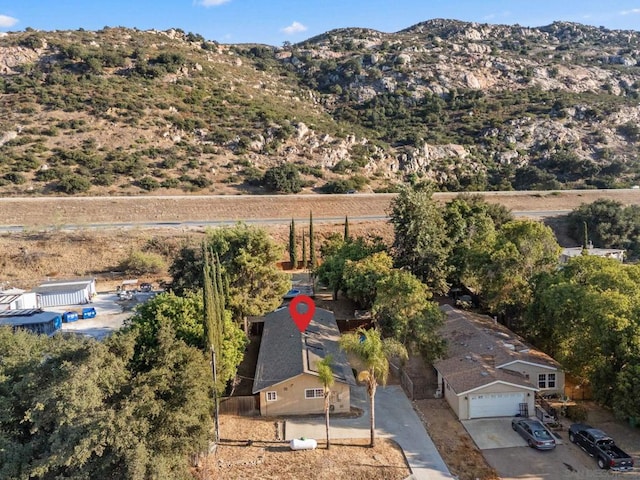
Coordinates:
x,y
46,212
45,248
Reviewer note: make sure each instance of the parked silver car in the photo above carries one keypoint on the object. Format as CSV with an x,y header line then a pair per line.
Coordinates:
x,y
536,435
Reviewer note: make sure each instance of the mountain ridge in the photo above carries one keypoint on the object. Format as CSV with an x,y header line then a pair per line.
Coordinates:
x,y
466,106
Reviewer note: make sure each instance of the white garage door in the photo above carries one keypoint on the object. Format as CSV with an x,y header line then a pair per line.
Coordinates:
x,y
495,404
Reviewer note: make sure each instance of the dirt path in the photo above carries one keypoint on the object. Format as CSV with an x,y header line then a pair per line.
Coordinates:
x,y
59,211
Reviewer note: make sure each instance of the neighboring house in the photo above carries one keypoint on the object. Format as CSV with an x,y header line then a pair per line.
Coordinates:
x,y
489,371
286,375
571,252
16,299
32,320
66,292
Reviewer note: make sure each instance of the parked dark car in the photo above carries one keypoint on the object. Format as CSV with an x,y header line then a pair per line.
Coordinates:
x,y
601,446
536,435
146,287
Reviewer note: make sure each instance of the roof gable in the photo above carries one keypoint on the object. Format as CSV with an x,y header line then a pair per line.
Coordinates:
x,y
285,352
479,349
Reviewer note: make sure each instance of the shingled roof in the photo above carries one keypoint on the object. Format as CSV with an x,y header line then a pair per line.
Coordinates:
x,y
286,353
480,351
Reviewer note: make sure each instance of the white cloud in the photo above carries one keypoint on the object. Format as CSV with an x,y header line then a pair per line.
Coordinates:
x,y
497,15
211,3
295,27
6,21
630,12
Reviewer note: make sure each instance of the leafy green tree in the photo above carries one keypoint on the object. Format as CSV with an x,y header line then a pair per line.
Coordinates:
x,y
403,309
420,237
627,391
586,316
78,408
374,353
336,252
325,373
472,230
283,178
361,277
609,225
186,314
523,250
248,258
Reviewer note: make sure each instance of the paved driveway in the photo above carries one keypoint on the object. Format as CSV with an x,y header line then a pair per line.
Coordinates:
x,y
490,433
565,462
395,419
507,452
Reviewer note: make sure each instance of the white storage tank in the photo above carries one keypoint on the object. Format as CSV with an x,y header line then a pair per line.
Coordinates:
x,y
303,444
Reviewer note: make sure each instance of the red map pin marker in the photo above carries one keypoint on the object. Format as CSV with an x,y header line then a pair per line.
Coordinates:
x,y
303,319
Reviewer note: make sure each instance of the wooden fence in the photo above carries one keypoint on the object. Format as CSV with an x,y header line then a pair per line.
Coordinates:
x,y
243,405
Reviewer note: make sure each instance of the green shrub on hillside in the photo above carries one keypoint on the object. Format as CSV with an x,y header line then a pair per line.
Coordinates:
x,y
143,263
283,179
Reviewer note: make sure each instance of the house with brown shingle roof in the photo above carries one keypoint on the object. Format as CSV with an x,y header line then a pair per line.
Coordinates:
x,y
489,371
286,375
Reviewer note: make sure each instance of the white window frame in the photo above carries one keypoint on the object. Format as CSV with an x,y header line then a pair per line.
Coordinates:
x,y
313,393
271,396
547,380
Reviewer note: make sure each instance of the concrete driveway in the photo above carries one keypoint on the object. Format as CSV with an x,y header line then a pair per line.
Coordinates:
x,y
395,419
507,452
488,433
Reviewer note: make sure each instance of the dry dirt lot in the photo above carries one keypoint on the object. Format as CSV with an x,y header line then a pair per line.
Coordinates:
x,y
453,442
268,458
27,258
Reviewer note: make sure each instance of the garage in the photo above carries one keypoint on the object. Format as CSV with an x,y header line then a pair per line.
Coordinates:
x,y
495,404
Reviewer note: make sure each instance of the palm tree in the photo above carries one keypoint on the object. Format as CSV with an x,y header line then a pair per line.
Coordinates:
x,y
374,351
325,372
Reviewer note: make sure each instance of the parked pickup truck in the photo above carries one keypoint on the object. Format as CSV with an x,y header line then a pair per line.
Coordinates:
x,y
601,446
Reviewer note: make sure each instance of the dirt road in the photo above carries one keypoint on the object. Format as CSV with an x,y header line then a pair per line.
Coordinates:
x,y
59,211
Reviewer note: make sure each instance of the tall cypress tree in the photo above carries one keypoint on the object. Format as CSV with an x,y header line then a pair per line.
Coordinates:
x,y
304,250
346,229
212,323
312,245
293,250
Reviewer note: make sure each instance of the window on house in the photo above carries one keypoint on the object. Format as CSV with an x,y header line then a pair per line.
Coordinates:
x,y
546,380
310,393
272,396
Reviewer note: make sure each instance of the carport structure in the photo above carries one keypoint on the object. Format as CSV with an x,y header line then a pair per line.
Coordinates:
x,y
489,371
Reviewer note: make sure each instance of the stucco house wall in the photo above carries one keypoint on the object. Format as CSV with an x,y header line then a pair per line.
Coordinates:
x,y
290,397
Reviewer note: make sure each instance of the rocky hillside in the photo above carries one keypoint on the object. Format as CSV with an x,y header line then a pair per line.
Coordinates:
x,y
467,106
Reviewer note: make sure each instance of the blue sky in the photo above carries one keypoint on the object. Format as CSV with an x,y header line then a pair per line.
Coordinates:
x,y
276,21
